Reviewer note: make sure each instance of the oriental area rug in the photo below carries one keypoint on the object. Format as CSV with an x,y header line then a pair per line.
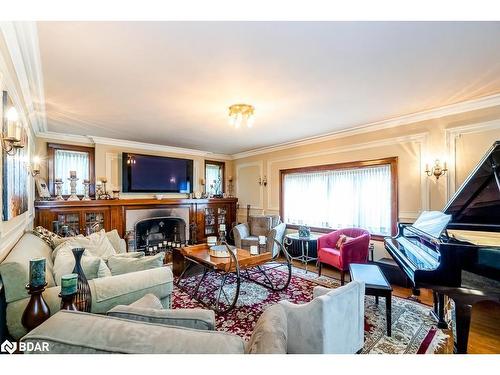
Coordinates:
x,y
414,331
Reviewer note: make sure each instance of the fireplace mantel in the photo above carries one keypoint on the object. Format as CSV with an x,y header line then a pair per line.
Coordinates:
x,y
112,213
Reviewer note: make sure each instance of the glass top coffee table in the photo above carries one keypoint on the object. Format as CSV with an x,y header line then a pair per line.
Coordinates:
x,y
218,285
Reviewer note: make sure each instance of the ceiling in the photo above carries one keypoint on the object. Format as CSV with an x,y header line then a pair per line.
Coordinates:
x,y
171,83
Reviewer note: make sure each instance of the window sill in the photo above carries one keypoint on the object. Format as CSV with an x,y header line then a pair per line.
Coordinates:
x,y
374,237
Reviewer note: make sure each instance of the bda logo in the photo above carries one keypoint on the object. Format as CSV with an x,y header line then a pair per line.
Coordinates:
x,y
8,347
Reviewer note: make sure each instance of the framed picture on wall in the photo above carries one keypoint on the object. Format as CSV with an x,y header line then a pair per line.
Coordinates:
x,y
14,177
42,188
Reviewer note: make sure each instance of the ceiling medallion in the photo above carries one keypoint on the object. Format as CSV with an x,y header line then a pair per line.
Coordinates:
x,y
241,114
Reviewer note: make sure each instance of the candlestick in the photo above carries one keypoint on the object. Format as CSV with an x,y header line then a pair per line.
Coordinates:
x,y
37,272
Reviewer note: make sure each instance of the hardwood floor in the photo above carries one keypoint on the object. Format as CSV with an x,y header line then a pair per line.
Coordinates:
x,y
484,336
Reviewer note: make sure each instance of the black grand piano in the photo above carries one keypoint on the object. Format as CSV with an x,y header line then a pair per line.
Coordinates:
x,y
456,252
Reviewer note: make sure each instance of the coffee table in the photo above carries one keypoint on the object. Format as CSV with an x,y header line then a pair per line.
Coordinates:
x,y
218,285
375,285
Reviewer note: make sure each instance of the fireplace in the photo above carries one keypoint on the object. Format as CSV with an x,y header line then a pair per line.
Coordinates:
x,y
150,227
154,231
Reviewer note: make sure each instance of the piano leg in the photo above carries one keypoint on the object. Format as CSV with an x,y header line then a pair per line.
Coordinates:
x,y
463,314
438,310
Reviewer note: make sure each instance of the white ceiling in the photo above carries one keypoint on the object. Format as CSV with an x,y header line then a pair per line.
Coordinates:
x,y
170,83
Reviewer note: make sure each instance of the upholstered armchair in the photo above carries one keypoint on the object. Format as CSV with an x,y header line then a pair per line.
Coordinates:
x,y
353,250
247,234
332,323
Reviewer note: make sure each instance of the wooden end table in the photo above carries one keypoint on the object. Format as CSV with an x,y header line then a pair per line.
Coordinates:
x,y
221,292
375,285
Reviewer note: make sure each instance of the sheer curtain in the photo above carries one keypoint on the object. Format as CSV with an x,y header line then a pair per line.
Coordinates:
x,y
213,173
340,198
65,161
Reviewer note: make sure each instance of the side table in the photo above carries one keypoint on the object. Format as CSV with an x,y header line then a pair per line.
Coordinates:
x,y
304,256
375,285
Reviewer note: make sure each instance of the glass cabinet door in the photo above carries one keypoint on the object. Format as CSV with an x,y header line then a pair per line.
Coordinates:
x,y
93,222
67,224
210,222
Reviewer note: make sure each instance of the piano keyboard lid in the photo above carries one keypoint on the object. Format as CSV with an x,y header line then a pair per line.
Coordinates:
x,y
476,204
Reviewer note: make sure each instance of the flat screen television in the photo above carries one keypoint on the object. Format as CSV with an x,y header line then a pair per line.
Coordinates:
x,y
156,174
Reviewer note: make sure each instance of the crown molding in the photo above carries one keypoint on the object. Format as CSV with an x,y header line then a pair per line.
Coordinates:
x,y
452,109
122,143
64,137
21,39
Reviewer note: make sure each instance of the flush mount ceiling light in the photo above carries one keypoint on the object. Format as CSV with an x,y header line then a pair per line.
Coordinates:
x,y
241,114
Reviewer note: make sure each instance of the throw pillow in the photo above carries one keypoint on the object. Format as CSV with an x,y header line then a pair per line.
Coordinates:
x,y
120,265
270,333
46,235
64,263
118,243
97,244
343,239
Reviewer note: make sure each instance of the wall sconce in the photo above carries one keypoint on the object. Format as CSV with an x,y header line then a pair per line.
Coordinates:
x,y
263,181
436,171
14,138
34,167
130,160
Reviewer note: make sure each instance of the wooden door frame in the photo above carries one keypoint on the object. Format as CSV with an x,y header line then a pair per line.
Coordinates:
x,y
51,151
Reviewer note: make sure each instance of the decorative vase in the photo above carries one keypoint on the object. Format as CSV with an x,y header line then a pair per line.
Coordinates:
x,y
83,298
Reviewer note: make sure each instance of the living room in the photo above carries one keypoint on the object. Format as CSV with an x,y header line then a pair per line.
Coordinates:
x,y
238,187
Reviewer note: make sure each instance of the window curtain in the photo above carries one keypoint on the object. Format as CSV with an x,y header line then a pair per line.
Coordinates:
x,y
213,173
65,161
340,199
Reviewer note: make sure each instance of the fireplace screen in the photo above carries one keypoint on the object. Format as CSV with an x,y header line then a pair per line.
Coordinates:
x,y
153,231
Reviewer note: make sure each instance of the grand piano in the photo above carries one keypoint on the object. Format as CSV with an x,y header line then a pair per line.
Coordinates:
x,y
456,252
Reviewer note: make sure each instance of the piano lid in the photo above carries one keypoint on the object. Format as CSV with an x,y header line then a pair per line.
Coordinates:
x,y
476,204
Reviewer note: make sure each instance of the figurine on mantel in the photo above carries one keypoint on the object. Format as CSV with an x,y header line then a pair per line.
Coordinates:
x,y
101,192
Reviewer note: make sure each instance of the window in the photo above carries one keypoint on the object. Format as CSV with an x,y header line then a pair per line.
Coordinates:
x,y
66,158
361,194
214,177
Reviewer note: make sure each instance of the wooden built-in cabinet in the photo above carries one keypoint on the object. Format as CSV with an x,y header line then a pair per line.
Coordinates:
x,y
85,217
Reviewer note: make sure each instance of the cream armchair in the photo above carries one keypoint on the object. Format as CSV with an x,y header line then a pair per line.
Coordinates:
x,y
332,323
247,234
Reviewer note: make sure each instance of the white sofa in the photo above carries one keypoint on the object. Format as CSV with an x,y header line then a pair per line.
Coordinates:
x,y
332,323
107,292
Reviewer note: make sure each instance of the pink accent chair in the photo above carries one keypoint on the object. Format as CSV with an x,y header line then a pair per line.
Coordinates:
x,y
352,251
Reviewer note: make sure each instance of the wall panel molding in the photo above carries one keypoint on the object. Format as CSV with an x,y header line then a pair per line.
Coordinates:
x,y
451,137
242,203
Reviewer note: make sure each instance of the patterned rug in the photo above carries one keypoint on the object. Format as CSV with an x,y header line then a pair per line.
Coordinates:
x,y
413,329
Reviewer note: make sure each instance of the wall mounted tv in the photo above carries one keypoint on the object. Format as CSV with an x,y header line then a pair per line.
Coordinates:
x,y
156,174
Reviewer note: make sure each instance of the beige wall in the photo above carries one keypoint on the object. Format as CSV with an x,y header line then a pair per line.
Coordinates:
x,y
108,164
465,137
